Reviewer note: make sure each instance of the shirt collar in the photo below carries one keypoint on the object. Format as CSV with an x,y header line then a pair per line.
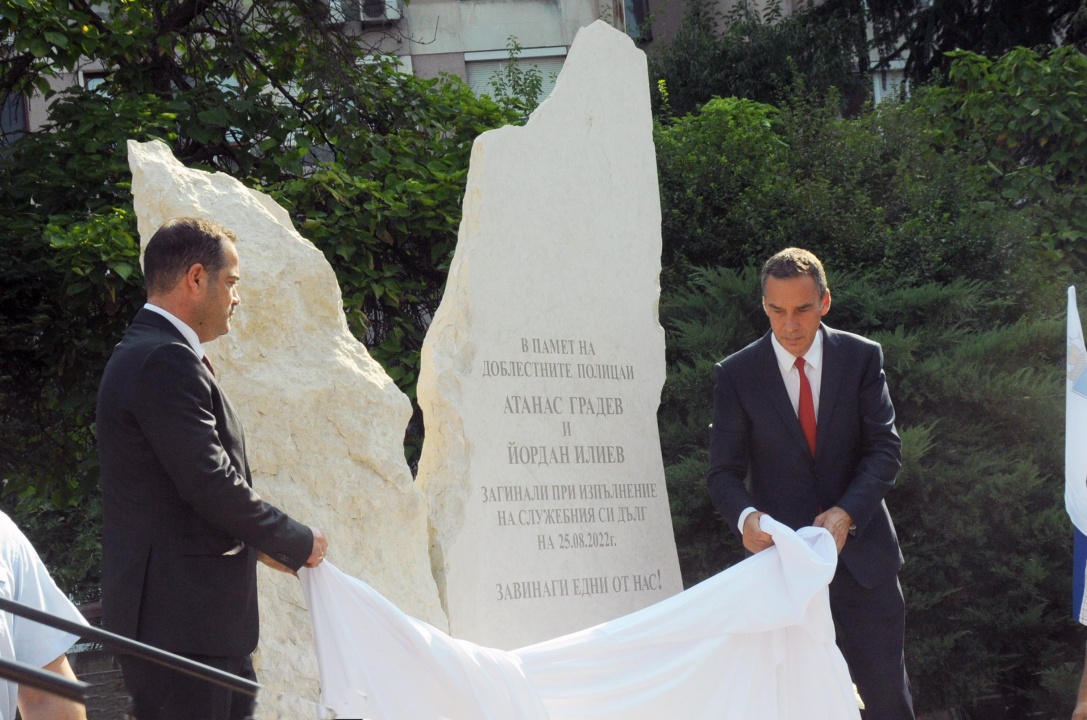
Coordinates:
x,y
188,332
813,357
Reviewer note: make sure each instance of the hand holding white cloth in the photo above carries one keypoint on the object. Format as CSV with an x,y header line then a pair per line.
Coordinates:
x,y
755,642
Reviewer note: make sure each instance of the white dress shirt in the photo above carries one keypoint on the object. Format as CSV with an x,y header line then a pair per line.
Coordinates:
x,y
813,368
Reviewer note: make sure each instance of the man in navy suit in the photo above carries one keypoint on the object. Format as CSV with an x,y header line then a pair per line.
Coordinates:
x,y
182,528
805,415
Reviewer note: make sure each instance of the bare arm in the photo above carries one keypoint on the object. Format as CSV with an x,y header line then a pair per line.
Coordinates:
x,y
38,705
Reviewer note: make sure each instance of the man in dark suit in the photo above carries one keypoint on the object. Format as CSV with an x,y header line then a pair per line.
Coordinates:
x,y
804,413
182,526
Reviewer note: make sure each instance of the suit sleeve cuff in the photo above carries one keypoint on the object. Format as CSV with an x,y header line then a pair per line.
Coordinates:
x,y
743,516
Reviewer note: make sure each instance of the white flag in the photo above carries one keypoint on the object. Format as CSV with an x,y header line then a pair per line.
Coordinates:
x,y
1075,453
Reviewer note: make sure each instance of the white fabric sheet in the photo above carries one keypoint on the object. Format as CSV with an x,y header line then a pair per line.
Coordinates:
x,y
755,642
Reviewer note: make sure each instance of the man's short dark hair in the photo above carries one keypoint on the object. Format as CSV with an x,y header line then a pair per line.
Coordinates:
x,y
795,262
177,246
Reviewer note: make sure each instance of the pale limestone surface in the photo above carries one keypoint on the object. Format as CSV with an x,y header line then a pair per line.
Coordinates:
x,y
324,424
556,272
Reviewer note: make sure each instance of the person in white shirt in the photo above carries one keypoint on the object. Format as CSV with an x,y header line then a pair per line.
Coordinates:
x,y
24,579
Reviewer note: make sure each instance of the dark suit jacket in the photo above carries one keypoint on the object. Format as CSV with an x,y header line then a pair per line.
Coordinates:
x,y
756,435
177,495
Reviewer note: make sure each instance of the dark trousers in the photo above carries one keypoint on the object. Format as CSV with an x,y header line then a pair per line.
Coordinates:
x,y
160,693
870,624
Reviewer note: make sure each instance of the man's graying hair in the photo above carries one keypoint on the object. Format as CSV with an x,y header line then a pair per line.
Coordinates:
x,y
177,246
795,262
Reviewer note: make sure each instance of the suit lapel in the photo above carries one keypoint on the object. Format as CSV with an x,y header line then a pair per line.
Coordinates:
x,y
779,396
829,386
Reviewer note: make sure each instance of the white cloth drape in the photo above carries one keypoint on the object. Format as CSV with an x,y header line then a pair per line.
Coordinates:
x,y
755,642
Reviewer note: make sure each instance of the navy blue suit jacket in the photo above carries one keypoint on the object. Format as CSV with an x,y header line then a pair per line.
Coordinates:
x,y
177,494
756,436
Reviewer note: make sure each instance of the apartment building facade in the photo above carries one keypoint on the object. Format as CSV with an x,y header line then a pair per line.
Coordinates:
x,y
472,38
466,38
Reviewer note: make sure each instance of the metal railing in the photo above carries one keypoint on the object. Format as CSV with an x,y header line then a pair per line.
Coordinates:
x,y
75,690
43,680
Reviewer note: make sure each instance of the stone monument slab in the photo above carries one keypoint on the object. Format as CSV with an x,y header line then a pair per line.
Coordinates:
x,y
542,372
324,423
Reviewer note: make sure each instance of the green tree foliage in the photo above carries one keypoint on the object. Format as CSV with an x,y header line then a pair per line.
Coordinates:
x,y
922,32
1021,121
740,180
828,45
371,163
980,512
516,87
757,56
707,162
926,258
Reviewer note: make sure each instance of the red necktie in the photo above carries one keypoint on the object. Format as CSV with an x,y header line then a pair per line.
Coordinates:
x,y
806,411
212,369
